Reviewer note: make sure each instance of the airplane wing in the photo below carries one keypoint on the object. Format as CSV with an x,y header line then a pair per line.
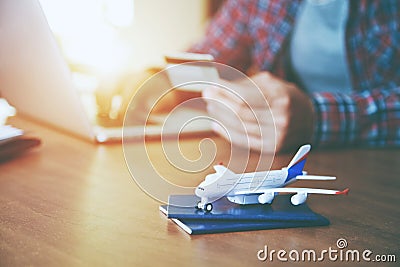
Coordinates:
x,y
293,190
300,196
315,177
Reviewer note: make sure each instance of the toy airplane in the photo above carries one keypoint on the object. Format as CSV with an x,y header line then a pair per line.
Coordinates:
x,y
260,187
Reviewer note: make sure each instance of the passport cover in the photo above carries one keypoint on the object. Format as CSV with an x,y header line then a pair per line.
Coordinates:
x,y
231,217
183,207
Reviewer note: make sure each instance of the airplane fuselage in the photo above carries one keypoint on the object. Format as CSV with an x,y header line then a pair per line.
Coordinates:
x,y
260,187
230,185
252,181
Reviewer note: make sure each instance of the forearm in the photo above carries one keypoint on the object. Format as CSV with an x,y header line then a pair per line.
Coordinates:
x,y
368,118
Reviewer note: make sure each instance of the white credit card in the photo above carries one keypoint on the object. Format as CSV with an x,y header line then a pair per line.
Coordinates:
x,y
191,72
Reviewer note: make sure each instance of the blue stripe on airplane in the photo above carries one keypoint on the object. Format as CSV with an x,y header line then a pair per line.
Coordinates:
x,y
295,170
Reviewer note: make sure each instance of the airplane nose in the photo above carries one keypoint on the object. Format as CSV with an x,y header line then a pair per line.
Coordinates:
x,y
198,192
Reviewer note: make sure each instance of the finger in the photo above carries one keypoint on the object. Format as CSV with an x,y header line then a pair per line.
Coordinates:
x,y
233,121
215,99
243,94
239,123
245,113
224,115
265,144
272,87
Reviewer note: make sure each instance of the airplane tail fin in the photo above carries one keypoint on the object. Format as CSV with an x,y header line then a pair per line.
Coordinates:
x,y
296,165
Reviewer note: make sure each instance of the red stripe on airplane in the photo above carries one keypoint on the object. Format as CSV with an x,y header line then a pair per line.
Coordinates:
x,y
302,158
344,192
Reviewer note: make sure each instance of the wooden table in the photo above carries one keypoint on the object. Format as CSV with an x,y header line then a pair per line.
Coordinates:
x,y
74,203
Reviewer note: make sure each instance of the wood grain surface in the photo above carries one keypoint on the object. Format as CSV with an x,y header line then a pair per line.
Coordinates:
x,y
74,203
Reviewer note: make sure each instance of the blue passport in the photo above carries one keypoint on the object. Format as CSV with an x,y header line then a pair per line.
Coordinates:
x,y
230,217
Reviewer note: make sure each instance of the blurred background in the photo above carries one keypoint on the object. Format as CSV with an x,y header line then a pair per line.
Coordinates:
x,y
111,46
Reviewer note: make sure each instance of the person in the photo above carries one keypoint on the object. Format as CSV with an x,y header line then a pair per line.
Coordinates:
x,y
329,69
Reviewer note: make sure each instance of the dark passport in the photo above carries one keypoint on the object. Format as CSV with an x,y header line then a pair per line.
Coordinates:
x,y
231,217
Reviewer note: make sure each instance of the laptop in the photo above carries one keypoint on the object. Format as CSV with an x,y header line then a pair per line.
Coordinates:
x,y
35,78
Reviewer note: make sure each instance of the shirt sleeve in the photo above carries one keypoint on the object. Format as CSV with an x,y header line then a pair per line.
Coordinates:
x,y
367,118
227,36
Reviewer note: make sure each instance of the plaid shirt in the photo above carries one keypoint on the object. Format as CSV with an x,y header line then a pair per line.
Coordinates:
x,y
254,35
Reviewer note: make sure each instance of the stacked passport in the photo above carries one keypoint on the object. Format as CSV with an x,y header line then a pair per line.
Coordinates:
x,y
230,217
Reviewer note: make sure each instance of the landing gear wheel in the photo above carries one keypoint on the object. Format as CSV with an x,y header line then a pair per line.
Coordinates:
x,y
208,207
198,206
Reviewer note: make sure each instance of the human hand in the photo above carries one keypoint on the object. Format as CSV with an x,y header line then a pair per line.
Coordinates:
x,y
246,113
